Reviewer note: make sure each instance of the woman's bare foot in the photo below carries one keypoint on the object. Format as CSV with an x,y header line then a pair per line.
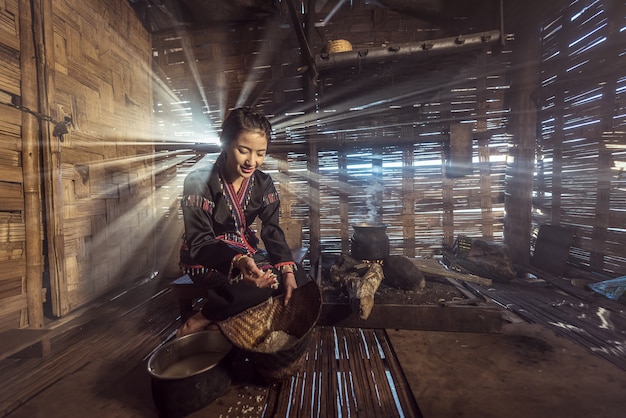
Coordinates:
x,y
196,323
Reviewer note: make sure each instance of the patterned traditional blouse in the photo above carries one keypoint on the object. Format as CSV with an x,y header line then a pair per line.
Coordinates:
x,y
217,221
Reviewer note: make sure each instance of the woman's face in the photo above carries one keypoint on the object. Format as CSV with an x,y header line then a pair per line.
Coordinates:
x,y
245,154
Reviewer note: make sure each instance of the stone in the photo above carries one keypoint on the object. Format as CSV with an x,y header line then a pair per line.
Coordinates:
x,y
400,272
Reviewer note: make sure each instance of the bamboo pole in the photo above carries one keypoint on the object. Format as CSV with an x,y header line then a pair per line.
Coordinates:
x,y
30,168
51,150
432,267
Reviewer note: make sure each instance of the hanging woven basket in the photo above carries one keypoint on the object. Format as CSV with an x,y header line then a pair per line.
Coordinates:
x,y
340,45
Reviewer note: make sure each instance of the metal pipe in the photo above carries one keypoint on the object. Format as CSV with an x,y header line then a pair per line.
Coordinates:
x,y
328,61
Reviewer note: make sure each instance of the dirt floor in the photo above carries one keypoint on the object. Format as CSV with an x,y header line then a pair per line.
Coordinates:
x,y
524,371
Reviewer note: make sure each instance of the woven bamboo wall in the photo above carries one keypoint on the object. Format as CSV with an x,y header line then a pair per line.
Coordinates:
x,y
13,303
582,143
97,183
99,68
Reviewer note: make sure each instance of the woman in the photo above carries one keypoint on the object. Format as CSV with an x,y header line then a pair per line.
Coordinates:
x,y
220,203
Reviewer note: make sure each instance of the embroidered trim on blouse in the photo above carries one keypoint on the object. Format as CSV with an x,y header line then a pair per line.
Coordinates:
x,y
270,198
193,270
197,201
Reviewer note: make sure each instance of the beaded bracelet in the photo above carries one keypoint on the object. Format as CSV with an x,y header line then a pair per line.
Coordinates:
x,y
235,264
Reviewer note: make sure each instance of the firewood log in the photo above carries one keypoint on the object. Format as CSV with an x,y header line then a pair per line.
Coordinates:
x,y
343,265
362,289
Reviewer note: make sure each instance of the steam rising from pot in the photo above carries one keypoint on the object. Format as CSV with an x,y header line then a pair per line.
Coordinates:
x,y
374,202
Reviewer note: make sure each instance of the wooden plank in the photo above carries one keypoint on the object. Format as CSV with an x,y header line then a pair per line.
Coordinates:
x,y
416,317
12,204
552,248
10,190
11,174
12,304
14,341
12,268
8,30
10,143
10,158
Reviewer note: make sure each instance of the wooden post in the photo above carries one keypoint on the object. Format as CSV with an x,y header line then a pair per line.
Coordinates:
x,y
408,202
284,190
30,168
343,198
309,84
377,177
314,208
556,141
518,203
447,183
482,134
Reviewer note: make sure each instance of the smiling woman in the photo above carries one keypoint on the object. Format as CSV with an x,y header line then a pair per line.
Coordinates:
x,y
220,249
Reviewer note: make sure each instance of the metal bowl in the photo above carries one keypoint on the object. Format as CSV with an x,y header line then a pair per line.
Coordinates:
x,y
190,372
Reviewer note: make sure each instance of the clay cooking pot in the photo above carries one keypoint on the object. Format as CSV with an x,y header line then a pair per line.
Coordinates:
x,y
369,242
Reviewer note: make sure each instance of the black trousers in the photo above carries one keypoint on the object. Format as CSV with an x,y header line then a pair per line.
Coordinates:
x,y
225,300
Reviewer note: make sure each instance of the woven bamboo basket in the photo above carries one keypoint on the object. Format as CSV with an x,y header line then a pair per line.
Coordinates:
x,y
339,45
249,329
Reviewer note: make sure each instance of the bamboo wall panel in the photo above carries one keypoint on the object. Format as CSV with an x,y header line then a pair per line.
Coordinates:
x,y
99,62
13,300
581,146
9,25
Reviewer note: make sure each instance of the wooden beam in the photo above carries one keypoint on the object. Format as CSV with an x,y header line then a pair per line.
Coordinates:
x,y
460,318
24,343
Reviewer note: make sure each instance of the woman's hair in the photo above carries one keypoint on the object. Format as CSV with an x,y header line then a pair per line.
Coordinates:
x,y
244,119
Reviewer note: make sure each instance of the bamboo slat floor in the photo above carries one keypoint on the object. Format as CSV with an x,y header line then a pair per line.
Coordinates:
x,y
349,372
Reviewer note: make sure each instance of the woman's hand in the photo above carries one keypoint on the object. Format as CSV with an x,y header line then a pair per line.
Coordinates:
x,y
289,280
253,275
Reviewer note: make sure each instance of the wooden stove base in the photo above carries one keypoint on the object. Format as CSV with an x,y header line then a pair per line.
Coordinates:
x,y
461,318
